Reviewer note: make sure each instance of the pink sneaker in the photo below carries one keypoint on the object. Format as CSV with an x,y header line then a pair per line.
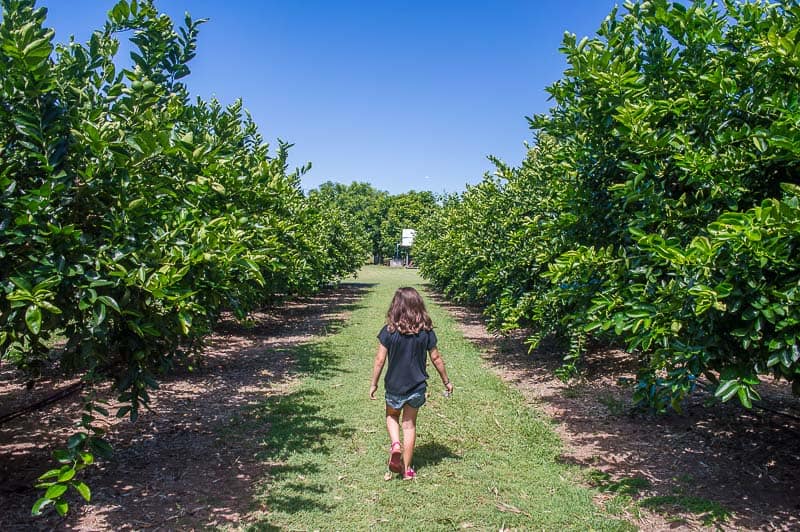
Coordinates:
x,y
409,474
395,459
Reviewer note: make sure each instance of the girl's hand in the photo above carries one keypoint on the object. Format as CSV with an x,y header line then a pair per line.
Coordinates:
x,y
372,390
449,387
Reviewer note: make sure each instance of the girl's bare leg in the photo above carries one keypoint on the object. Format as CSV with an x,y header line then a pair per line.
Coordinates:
x,y
393,423
409,433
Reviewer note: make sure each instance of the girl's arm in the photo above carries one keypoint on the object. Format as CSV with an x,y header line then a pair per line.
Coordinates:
x,y
377,368
438,363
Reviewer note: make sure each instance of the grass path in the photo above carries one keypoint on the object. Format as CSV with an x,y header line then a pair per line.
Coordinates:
x,y
484,459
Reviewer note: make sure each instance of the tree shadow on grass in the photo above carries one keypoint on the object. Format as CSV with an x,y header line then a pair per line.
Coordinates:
x,y
431,454
317,360
297,424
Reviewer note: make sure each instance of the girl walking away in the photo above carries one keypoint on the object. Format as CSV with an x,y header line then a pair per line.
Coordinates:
x,y
406,339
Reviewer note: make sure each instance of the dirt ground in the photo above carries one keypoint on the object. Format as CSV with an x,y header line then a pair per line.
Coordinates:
x,y
717,467
177,467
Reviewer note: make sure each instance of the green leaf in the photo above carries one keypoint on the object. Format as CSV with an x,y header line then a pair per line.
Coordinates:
x,y
84,490
744,397
49,307
109,301
760,144
120,12
62,507
791,188
50,474
39,48
723,289
589,327
751,380
727,389
753,235
76,440
62,456
101,447
55,491
135,203
99,314
22,284
185,320
33,319
39,505
66,473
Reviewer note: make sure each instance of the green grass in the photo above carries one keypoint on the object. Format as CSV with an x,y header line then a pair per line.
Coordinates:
x,y
707,511
623,491
623,486
678,507
484,459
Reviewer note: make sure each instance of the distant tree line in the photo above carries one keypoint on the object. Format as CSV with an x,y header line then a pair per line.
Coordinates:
x,y
378,217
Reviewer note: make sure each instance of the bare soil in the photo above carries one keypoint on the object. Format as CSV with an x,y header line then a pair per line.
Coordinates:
x,y
179,466
711,467
183,467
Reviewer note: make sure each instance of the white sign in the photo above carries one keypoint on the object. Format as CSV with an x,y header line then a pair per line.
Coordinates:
x,y
408,238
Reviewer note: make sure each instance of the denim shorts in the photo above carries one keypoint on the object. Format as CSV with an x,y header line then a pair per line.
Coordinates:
x,y
415,399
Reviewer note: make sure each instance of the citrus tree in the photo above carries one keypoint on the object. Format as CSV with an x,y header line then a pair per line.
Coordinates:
x,y
132,217
657,209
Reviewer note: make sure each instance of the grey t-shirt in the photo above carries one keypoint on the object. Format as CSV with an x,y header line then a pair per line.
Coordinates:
x,y
406,373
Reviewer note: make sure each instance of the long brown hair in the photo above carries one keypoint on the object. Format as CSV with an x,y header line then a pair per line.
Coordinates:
x,y
407,314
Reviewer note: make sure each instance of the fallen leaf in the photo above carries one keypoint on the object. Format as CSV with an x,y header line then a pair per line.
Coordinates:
x,y
503,507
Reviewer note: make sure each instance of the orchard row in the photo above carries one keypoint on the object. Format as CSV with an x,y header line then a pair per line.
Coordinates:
x,y
658,208
132,217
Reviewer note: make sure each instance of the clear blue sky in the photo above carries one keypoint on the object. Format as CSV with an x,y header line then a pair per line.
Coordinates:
x,y
403,95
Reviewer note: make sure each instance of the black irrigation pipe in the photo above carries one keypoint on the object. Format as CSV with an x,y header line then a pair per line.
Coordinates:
x,y
778,412
61,394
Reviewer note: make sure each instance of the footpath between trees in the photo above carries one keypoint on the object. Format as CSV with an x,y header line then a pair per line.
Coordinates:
x,y
484,459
